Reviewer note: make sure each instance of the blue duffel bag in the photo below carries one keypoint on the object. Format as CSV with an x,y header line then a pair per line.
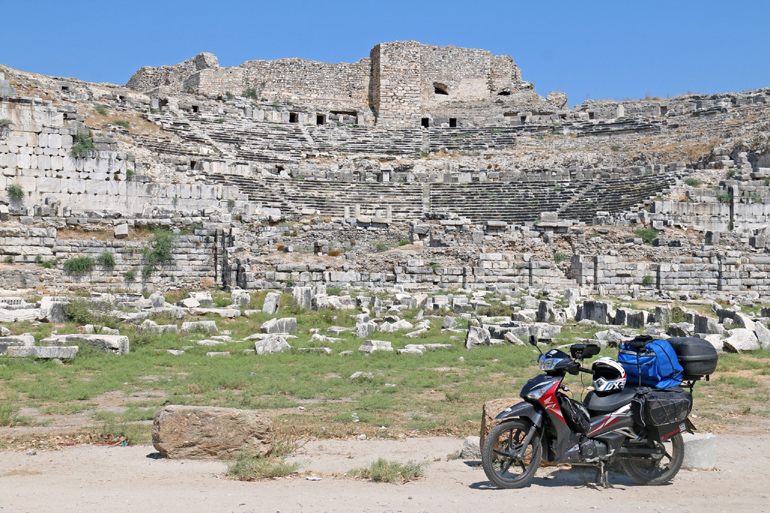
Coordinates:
x,y
649,362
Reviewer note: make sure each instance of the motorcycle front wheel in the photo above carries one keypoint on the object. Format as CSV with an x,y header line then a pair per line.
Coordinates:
x,y
660,468
506,462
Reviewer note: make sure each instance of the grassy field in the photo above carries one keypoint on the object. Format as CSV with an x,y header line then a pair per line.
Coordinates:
x,y
310,395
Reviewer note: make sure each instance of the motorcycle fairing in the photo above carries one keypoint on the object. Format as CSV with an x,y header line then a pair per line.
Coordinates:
x,y
620,418
522,409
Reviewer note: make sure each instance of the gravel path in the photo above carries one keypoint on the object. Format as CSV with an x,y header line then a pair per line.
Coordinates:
x,y
95,479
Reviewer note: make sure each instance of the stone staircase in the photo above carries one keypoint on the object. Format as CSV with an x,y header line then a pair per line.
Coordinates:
x,y
329,198
512,202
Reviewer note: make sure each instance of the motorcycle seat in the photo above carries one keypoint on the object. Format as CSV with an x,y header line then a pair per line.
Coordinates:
x,y
596,403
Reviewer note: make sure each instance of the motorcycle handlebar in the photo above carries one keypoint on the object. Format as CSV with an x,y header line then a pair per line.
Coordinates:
x,y
587,371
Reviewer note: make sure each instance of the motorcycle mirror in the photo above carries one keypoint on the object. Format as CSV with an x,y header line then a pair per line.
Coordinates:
x,y
533,342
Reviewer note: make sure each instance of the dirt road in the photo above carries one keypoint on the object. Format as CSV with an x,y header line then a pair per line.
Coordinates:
x,y
95,479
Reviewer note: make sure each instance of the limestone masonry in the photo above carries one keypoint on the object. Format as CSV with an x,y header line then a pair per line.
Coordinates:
x,y
417,168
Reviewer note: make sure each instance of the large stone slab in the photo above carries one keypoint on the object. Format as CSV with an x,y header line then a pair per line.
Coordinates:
x,y
272,301
741,339
44,352
199,326
370,346
284,325
202,432
272,345
117,344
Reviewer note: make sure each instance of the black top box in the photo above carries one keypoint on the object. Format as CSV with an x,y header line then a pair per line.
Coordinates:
x,y
697,356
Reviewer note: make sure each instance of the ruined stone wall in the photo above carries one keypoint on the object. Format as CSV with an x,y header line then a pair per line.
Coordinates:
x,y
400,66
170,78
195,261
35,154
465,74
703,272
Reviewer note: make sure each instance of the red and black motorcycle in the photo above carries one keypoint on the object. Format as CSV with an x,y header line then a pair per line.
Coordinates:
x,y
551,426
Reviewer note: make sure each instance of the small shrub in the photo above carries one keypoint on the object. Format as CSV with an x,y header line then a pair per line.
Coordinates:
x,y
5,122
403,243
559,257
730,174
122,123
101,110
725,197
250,93
15,192
83,312
384,471
147,271
106,260
229,95
83,144
247,467
647,234
380,247
49,264
130,173
692,182
9,415
678,315
161,250
335,252
647,281
130,276
79,265
615,147
231,203
9,259
334,291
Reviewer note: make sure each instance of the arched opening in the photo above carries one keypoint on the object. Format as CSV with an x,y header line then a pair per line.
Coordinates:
x,y
441,89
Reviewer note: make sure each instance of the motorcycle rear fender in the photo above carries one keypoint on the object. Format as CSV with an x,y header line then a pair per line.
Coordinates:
x,y
522,409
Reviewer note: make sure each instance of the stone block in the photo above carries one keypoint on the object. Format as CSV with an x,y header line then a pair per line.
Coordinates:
x,y
118,344
272,345
203,432
272,301
700,451
121,231
284,325
44,352
370,346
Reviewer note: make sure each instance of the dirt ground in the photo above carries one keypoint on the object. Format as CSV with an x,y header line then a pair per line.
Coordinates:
x,y
92,478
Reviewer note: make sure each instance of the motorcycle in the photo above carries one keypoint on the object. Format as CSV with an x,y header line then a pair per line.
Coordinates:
x,y
537,429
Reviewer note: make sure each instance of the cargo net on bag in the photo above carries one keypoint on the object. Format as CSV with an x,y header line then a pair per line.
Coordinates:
x,y
662,408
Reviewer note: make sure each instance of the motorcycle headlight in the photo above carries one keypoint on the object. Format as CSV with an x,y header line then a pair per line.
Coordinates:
x,y
537,393
548,364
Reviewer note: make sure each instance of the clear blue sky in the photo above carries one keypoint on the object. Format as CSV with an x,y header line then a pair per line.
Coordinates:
x,y
589,49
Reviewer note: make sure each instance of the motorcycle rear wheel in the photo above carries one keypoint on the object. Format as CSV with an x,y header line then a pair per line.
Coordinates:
x,y
657,471
498,457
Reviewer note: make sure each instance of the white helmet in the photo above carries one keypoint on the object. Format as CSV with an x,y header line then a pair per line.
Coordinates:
x,y
609,375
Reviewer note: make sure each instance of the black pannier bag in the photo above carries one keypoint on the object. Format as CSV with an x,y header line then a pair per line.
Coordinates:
x,y
655,408
697,356
575,414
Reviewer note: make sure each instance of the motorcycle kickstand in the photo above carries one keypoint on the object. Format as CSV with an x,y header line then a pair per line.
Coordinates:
x,y
602,476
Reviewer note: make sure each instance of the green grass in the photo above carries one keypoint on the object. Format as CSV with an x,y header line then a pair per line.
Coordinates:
x,y
79,265
693,182
83,144
121,123
15,192
384,471
247,467
106,260
647,234
437,393
101,110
